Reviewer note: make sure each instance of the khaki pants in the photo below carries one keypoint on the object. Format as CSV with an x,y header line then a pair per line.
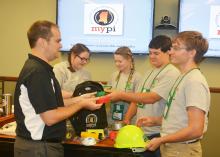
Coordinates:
x,y
29,148
181,150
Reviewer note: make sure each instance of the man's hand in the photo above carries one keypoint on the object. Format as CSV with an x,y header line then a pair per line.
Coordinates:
x,y
77,99
149,121
145,121
88,95
154,143
90,103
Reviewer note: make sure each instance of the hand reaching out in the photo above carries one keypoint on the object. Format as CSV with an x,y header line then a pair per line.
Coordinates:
x,y
145,121
90,103
77,99
149,121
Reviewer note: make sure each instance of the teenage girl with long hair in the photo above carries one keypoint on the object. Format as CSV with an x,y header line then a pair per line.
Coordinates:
x,y
126,78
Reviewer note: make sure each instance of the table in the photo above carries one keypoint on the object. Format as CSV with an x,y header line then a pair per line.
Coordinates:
x,y
104,148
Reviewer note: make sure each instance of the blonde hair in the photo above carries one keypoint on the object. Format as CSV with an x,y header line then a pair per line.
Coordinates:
x,y
126,53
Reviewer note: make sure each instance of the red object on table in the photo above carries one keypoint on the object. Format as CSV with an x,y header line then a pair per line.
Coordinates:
x,y
113,134
104,99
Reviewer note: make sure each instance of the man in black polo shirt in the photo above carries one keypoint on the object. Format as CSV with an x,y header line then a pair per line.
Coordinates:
x,y
40,112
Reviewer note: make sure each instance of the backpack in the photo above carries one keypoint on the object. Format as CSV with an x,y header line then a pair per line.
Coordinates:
x,y
86,119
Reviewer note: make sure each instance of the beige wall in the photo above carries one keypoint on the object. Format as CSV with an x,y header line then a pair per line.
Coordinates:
x,y
17,15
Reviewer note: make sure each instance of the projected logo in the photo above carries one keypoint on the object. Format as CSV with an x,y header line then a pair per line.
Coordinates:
x,y
103,19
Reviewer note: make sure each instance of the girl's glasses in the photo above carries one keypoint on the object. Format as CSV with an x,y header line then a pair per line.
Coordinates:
x,y
83,59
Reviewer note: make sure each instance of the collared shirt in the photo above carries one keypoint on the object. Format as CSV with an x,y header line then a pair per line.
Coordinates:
x,y
37,91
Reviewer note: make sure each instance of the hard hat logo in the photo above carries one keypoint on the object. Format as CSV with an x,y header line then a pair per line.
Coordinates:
x,y
130,136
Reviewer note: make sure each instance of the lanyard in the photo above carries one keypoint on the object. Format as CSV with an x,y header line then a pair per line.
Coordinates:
x,y
141,105
172,92
153,81
126,85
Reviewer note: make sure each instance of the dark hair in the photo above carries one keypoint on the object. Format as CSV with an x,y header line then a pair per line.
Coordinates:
x,y
40,29
193,40
162,42
77,49
127,54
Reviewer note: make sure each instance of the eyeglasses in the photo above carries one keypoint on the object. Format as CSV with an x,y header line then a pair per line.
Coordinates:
x,y
177,48
83,59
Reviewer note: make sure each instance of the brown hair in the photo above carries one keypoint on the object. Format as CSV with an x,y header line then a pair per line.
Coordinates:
x,y
127,54
193,40
40,29
161,42
77,49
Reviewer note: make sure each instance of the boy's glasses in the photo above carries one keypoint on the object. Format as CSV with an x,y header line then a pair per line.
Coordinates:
x,y
177,48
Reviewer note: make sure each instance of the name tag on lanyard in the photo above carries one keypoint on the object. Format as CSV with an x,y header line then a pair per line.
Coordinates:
x,y
118,111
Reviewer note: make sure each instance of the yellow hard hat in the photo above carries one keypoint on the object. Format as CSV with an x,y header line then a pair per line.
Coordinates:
x,y
130,136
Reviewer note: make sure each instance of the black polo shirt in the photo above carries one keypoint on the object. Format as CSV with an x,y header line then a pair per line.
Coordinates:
x,y
37,91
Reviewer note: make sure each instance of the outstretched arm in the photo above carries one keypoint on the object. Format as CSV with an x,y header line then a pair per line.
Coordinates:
x,y
54,116
145,98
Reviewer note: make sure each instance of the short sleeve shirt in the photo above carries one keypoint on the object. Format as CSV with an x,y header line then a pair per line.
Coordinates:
x,y
37,91
193,91
159,81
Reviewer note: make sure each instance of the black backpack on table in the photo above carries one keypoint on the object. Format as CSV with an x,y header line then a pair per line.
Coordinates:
x,y
86,119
